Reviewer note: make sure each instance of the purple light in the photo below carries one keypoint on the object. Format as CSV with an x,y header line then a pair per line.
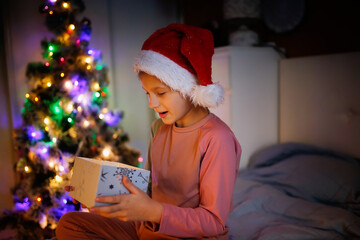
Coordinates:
x,y
22,205
34,134
112,118
42,150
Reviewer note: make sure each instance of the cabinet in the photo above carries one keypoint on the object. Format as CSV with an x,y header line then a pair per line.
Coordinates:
x,y
250,78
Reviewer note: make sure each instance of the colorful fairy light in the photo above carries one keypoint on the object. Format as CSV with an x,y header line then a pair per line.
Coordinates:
x,y
86,123
47,120
65,5
95,86
27,169
69,107
22,206
68,85
106,152
34,134
58,178
88,60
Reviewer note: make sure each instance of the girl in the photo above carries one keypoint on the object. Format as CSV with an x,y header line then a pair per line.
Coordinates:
x,y
193,155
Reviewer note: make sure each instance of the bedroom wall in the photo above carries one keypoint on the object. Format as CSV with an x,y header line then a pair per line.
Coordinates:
x,y
320,101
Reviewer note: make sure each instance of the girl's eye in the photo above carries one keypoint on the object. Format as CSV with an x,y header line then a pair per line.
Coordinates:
x,y
161,93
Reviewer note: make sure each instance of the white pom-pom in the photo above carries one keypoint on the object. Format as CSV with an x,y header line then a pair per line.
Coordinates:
x,y
208,96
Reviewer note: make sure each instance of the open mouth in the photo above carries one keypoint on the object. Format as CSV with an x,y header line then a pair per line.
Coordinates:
x,y
162,114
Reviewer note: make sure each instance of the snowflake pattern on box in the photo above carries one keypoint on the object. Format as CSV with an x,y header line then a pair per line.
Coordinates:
x,y
111,180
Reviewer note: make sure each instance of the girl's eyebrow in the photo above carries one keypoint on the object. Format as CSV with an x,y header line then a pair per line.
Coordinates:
x,y
157,88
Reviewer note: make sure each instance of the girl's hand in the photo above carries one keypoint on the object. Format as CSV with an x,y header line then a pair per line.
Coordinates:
x,y
135,206
72,188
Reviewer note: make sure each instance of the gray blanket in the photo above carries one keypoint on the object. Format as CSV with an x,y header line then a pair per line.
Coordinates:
x,y
295,191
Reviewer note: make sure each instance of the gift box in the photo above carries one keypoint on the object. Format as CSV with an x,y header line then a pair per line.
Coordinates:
x,y
92,178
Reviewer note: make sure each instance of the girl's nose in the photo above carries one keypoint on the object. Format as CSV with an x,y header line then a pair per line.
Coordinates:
x,y
153,102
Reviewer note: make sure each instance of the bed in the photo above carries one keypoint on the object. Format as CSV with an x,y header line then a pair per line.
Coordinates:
x,y
308,185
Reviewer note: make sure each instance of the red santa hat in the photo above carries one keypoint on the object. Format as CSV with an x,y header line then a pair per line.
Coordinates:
x,y
180,56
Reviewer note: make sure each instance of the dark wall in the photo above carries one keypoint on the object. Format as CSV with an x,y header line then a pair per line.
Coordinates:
x,y
327,26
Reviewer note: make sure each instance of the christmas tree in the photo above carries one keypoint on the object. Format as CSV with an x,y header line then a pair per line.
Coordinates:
x,y
65,115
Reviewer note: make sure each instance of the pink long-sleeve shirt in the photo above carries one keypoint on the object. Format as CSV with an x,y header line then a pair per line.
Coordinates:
x,y
193,176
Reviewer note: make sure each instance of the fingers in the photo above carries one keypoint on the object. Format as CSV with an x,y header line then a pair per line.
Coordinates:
x,y
129,185
69,188
109,199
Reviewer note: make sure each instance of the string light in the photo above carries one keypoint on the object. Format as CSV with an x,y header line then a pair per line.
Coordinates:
x,y
62,74
58,178
61,168
95,86
88,67
88,60
68,85
27,169
106,152
47,64
62,59
48,84
69,107
27,95
86,123
51,164
71,27
38,199
101,116
51,12
54,139
65,5
46,120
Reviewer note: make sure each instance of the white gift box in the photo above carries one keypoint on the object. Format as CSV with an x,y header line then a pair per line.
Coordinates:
x,y
92,178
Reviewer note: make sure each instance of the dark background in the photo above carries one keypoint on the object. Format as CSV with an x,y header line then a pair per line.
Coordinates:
x,y
327,27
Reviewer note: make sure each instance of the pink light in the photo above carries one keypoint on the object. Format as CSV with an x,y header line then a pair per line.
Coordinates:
x,y
140,159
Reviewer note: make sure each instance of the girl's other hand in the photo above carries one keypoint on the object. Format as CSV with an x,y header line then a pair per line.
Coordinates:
x,y
135,206
72,188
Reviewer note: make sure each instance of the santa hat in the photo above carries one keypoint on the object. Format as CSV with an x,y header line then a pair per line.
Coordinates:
x,y
180,56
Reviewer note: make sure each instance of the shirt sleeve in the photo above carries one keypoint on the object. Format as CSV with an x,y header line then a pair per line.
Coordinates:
x,y
218,171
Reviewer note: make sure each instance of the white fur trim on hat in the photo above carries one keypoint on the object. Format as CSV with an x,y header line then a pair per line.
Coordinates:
x,y
208,96
173,75
178,78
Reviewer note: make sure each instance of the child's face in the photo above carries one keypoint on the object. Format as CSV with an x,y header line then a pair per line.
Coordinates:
x,y
171,106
